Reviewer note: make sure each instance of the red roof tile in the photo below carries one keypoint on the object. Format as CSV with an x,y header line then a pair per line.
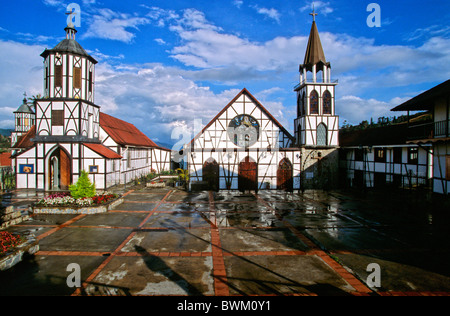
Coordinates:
x,y
124,133
103,151
24,141
5,159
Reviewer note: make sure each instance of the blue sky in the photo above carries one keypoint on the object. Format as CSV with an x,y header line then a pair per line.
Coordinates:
x,y
164,64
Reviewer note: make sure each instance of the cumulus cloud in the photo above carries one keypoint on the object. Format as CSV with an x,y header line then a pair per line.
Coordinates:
x,y
111,25
270,13
173,97
158,94
355,109
21,67
207,46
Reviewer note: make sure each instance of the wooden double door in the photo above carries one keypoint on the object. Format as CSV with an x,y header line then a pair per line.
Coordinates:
x,y
248,175
285,176
211,174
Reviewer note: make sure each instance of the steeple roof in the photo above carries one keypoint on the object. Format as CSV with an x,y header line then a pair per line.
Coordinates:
x,y
24,108
314,51
69,45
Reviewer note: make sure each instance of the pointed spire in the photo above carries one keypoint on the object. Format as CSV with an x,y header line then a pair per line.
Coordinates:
x,y
314,51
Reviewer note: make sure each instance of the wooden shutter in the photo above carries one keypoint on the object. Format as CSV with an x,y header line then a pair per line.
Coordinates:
x,y
58,76
91,81
57,117
77,78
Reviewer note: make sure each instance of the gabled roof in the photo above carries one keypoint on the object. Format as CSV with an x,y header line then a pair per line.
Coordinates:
x,y
314,51
124,133
103,151
258,104
24,141
69,45
425,100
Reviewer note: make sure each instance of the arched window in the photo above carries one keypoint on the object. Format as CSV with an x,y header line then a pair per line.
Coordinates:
x,y
299,105
314,103
304,110
322,135
326,99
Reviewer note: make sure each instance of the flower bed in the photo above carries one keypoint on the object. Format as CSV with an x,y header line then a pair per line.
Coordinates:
x,y
63,203
157,184
14,247
9,241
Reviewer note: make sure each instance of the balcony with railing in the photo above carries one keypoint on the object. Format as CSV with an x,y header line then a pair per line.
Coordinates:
x,y
318,81
429,130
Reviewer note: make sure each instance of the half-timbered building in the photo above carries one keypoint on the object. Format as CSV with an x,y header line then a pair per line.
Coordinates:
x,y
70,134
245,148
433,136
382,157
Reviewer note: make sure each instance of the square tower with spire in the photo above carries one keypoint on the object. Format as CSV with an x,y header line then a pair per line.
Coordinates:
x,y
316,124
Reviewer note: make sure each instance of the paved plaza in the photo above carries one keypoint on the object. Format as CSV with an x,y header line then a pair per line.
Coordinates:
x,y
171,242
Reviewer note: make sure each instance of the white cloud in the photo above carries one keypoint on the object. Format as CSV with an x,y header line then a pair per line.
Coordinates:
x,y
354,109
270,13
205,45
154,93
54,3
21,66
319,6
160,41
238,3
108,24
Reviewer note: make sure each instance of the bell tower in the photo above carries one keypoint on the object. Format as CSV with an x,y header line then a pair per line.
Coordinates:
x,y
316,124
24,119
67,112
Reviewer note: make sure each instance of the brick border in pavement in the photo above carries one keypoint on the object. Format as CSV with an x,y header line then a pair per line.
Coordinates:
x,y
217,253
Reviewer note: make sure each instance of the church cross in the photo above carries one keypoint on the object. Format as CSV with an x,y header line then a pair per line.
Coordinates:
x,y
313,14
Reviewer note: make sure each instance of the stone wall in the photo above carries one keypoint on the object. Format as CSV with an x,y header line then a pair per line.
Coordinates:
x,y
28,248
13,215
320,168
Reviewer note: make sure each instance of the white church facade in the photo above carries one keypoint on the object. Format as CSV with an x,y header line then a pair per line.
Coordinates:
x,y
66,132
245,148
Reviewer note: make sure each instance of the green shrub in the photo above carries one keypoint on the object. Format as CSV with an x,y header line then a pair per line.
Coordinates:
x,y
83,188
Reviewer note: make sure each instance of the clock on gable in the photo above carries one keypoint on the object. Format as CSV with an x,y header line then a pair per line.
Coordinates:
x,y
243,130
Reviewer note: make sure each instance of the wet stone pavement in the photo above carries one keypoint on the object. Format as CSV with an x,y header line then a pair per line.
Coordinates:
x,y
171,242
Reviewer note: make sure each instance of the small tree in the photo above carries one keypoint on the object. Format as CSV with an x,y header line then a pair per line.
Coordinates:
x,y
83,187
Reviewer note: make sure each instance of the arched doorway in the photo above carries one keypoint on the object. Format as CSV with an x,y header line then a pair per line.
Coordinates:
x,y
248,175
60,171
211,174
285,176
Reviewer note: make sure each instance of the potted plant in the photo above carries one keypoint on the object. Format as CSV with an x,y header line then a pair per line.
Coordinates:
x,y
183,176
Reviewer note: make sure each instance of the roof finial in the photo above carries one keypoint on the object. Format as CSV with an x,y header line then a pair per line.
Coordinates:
x,y
70,28
313,13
